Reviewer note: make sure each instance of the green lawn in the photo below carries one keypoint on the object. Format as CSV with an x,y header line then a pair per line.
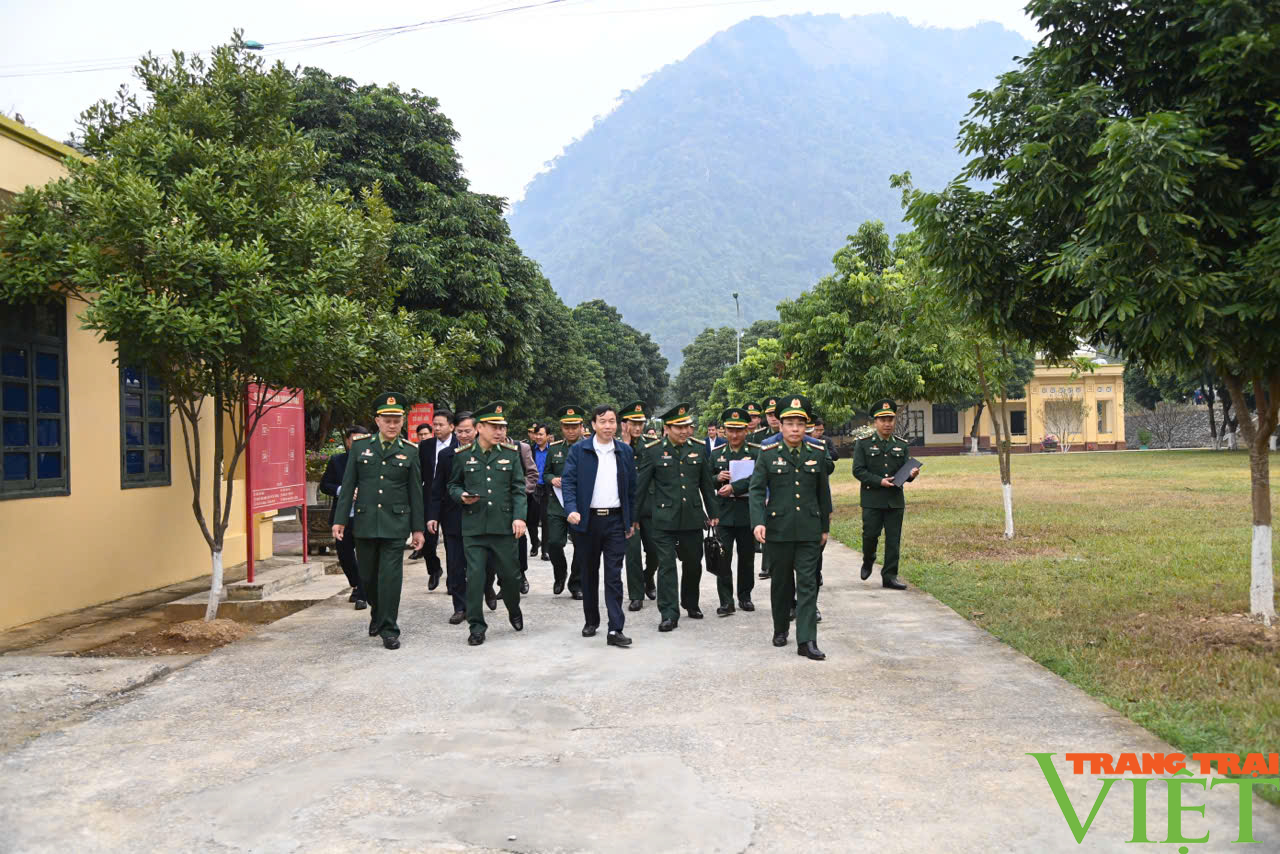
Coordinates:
x,y
1129,576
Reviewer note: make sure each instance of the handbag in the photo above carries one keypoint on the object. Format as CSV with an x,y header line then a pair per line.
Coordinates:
x,y
713,550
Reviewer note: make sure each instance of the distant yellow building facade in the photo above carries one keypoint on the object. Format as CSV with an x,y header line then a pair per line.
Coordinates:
x,y
95,499
1083,413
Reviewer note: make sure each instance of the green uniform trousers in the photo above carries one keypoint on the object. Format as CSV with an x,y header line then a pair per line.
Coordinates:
x,y
888,519
795,579
478,550
556,535
687,546
381,562
640,552
740,535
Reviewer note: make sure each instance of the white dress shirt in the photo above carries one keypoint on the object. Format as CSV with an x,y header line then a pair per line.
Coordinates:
x,y
604,493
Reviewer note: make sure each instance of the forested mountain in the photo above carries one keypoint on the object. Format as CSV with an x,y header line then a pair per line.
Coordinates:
x,y
744,166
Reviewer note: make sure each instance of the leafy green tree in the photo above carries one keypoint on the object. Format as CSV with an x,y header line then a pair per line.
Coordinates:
x,y
763,372
204,246
564,372
634,369
708,356
1134,161
464,271
859,333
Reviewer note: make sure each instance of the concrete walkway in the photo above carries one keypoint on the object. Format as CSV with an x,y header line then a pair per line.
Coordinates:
x,y
309,736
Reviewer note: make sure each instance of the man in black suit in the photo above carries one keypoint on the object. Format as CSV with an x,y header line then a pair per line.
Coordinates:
x,y
430,447
444,516
330,484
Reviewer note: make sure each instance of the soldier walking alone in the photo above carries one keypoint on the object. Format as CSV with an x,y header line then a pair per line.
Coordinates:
x,y
876,459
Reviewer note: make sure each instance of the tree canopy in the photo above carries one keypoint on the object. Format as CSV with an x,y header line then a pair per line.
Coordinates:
x,y
708,356
633,367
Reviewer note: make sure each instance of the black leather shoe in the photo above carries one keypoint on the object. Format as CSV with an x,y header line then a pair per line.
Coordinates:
x,y
474,639
416,554
491,600
361,605
557,588
618,639
577,594
747,605
809,649
433,580
696,613
866,572
792,616
817,615
892,582
589,631
635,605
667,625
517,621
724,610
779,640
651,593
544,556
524,586
458,617
353,597
391,643
373,633
533,550
763,575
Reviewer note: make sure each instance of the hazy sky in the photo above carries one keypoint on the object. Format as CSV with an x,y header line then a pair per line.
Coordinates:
x,y
518,86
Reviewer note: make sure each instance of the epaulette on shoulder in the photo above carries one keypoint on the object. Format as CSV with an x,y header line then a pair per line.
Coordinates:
x,y
769,446
556,442
753,444
654,442
461,448
511,446
816,442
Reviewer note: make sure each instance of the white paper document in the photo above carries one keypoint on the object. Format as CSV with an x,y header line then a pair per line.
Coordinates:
x,y
559,495
738,469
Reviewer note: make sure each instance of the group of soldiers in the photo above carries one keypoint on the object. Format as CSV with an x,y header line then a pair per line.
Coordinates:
x,y
765,488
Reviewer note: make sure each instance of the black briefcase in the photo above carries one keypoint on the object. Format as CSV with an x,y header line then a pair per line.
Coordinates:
x,y
713,550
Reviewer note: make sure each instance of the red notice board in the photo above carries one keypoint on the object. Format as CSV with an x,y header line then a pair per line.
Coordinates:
x,y
420,413
277,451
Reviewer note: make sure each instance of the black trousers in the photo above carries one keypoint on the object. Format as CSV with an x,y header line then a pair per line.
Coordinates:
x,y
605,537
346,548
456,577
533,518
429,551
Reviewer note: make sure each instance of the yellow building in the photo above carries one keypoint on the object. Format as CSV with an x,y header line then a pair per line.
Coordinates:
x,y
1083,413
93,504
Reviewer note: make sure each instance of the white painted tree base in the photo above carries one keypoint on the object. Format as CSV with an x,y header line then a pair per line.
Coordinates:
x,y
1007,489
215,588
1262,587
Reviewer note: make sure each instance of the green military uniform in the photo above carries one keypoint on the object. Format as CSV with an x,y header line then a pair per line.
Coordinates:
x,y
497,476
384,480
735,519
791,498
883,507
640,580
558,533
681,479
761,432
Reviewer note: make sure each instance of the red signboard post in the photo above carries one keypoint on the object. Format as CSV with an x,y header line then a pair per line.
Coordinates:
x,y
276,474
420,413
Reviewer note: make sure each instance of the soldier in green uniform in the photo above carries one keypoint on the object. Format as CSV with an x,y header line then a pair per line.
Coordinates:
x,y
735,513
488,481
640,579
384,481
557,534
756,432
680,474
876,459
791,514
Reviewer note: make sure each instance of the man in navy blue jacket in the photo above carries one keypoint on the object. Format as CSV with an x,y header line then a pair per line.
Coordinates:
x,y
599,488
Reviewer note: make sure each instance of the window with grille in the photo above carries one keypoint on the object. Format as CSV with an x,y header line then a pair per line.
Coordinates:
x,y
33,400
144,430
945,419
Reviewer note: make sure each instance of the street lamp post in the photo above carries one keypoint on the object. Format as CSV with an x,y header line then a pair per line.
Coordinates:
x,y
738,307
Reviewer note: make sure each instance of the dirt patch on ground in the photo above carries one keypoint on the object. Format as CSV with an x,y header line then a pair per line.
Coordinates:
x,y
192,637
1218,632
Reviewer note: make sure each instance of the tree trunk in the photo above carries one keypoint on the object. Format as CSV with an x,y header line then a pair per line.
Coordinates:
x,y
1000,435
1262,588
973,431
215,587
1007,489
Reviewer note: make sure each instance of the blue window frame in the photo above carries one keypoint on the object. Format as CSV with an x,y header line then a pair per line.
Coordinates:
x,y
144,430
33,400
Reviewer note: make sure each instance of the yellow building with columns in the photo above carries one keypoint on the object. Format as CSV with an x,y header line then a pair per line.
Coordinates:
x,y
1082,412
95,499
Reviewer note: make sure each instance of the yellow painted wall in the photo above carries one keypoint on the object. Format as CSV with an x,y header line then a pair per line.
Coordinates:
x,y
1106,383
101,542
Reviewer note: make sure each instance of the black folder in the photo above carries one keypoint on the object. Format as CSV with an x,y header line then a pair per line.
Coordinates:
x,y
904,473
